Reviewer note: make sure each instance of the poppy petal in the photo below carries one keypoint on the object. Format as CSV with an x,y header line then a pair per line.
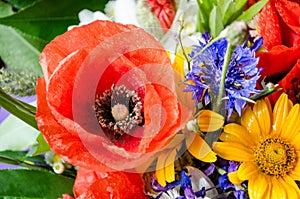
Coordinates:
x,y
71,41
61,140
107,185
268,24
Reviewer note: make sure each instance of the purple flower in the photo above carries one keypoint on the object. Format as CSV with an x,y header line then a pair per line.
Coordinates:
x,y
205,76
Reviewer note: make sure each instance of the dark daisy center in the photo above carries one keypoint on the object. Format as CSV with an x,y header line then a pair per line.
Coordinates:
x,y
118,111
275,157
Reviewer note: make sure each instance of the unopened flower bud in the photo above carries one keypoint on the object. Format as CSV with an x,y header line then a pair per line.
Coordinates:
x,y
235,33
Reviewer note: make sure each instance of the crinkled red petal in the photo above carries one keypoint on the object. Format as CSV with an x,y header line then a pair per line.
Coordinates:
x,y
63,141
108,185
268,26
61,83
289,13
279,59
86,37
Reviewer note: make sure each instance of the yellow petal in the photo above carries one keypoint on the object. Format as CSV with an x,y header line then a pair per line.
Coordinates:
x,y
201,150
209,121
160,176
239,134
291,126
169,169
280,112
249,121
258,187
247,170
277,191
295,141
291,185
184,97
210,157
233,151
160,168
290,191
261,110
233,178
295,174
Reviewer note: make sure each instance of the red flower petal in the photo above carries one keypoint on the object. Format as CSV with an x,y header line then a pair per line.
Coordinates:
x,y
268,24
108,185
289,13
64,142
291,83
279,59
84,37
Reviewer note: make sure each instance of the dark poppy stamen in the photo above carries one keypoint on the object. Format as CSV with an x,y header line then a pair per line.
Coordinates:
x,y
294,91
119,110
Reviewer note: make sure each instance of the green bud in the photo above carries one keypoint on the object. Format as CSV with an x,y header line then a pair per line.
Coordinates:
x,y
235,33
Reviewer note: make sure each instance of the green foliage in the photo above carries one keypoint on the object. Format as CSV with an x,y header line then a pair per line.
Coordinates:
x,y
19,84
21,156
22,110
23,34
5,9
39,148
35,184
19,4
214,15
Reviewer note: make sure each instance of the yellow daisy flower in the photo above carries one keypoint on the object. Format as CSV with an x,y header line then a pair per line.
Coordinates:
x,y
268,144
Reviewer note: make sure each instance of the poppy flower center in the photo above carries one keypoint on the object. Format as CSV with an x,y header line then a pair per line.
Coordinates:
x,y
118,111
275,157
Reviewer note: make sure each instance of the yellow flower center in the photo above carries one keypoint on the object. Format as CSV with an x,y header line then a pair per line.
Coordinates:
x,y
275,157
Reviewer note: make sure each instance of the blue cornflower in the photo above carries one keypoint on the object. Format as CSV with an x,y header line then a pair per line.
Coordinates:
x,y
205,76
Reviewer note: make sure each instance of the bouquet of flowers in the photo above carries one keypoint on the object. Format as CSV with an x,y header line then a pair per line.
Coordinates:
x,y
164,99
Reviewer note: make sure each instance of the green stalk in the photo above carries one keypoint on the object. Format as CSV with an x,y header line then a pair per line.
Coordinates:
x,y
227,58
20,109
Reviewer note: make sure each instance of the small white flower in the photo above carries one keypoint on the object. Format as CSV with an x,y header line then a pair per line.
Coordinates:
x,y
58,167
86,16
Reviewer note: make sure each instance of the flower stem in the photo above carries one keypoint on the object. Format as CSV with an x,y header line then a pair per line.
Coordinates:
x,y
227,58
20,109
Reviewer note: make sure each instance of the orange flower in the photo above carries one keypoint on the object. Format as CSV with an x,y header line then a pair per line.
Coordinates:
x,y
107,97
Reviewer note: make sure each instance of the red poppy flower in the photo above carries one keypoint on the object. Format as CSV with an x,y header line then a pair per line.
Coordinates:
x,y
107,97
279,23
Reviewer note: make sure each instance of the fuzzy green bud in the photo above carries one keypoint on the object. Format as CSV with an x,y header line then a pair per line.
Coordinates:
x,y
235,33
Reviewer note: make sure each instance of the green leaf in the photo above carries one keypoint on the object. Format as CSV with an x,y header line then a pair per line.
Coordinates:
x,y
22,156
5,9
39,148
19,53
252,11
21,3
215,22
227,8
18,108
205,8
49,18
238,10
33,184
